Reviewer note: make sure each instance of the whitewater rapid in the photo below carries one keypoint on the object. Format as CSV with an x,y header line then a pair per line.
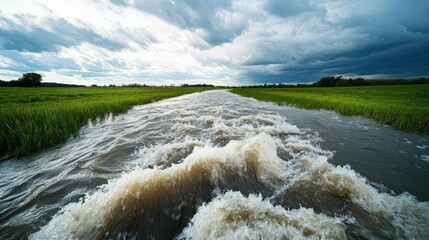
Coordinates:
x,y
214,165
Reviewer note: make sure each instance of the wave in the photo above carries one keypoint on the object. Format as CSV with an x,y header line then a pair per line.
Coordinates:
x,y
135,201
196,187
233,216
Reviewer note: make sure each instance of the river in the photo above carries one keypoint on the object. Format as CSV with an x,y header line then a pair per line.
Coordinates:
x,y
217,165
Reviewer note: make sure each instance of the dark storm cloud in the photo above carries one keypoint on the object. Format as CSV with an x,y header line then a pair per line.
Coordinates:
x,y
22,35
361,34
249,40
407,60
194,14
222,20
387,38
289,8
410,59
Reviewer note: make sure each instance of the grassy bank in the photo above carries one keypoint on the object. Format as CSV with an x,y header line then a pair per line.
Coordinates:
x,y
34,118
404,107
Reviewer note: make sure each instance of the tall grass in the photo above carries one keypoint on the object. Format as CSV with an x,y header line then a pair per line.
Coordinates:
x,y
403,107
31,119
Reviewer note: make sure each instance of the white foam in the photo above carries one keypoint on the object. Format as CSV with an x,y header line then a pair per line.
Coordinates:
x,y
261,135
164,154
406,214
240,126
87,219
425,158
233,216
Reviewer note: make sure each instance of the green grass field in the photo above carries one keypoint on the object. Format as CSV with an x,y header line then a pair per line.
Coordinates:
x,y
404,107
34,118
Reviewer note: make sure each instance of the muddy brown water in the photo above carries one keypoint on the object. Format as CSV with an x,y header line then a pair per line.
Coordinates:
x,y
217,165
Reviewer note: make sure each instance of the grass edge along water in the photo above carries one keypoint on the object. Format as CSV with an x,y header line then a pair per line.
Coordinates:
x,y
34,118
404,107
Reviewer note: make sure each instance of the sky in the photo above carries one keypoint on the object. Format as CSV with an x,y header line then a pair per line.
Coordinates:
x,y
217,42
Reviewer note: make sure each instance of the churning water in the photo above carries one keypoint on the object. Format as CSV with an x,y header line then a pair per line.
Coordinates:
x,y
217,165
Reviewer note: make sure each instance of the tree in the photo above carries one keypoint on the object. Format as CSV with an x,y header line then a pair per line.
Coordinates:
x,y
30,80
4,84
328,81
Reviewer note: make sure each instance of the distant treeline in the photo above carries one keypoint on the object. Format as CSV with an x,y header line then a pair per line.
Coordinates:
x,y
27,80
52,84
14,83
339,81
165,85
343,82
35,80
197,85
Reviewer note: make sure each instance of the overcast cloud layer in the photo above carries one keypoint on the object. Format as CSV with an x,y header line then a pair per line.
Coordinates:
x,y
220,42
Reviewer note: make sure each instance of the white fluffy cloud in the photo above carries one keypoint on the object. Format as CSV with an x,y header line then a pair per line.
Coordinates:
x,y
220,42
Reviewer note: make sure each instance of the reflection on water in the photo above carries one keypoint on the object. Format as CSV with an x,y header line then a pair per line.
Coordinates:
x,y
216,165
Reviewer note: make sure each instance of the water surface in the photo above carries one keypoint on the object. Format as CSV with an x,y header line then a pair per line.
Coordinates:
x,y
214,164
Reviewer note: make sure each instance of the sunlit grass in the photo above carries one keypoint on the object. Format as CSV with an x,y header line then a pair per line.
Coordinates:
x,y
34,118
404,107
